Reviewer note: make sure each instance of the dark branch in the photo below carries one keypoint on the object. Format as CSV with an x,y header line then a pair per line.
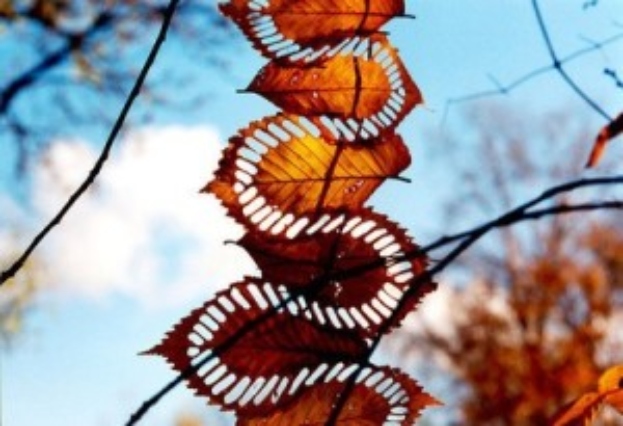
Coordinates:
x,y
558,66
506,89
464,240
17,265
615,77
73,43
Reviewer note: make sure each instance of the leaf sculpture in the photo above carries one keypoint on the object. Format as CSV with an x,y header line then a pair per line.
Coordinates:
x,y
357,94
286,347
380,396
281,167
308,31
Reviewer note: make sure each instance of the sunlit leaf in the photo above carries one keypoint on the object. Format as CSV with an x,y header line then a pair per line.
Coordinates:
x,y
306,31
611,384
583,410
351,269
366,90
250,354
380,396
283,164
580,412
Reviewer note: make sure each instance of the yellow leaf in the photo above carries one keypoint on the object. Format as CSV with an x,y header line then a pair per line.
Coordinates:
x,y
611,385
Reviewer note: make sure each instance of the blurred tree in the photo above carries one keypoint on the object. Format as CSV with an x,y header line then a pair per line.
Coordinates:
x,y
66,67
69,63
187,419
534,323
190,417
18,297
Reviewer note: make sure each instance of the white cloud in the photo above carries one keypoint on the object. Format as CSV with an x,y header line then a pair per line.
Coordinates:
x,y
143,231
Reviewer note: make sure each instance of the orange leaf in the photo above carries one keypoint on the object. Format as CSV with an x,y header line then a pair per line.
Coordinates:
x,y
615,400
611,383
282,166
607,133
308,30
583,410
366,89
580,412
260,354
350,270
380,396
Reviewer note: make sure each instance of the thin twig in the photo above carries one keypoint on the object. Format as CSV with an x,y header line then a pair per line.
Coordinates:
x,y
56,220
558,66
545,195
514,216
73,43
519,81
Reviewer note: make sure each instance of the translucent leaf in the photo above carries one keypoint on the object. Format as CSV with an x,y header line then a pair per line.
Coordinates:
x,y
368,87
250,354
283,163
305,31
583,410
351,271
380,396
611,384
580,411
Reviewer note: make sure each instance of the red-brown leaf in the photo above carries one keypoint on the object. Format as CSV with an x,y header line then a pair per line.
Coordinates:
x,y
368,88
351,270
380,396
253,341
308,30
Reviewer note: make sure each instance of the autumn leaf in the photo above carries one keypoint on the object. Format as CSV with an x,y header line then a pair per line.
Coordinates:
x,y
282,166
305,31
380,396
351,270
250,354
580,412
607,133
368,89
583,410
611,385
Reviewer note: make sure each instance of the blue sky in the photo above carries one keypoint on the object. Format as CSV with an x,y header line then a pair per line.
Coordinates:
x,y
144,248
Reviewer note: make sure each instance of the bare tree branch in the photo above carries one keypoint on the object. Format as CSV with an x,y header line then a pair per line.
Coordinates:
x,y
615,77
89,46
19,262
463,241
501,89
32,75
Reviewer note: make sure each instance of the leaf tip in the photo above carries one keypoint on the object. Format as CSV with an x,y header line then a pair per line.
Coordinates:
x,y
598,149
